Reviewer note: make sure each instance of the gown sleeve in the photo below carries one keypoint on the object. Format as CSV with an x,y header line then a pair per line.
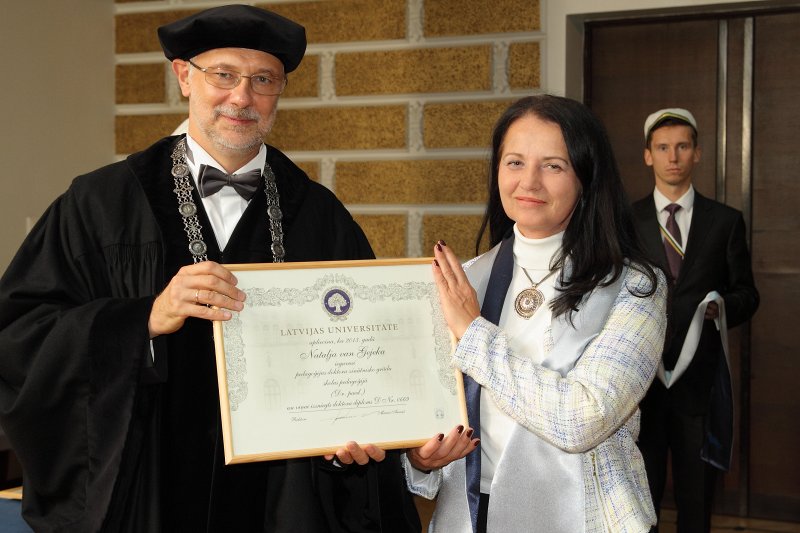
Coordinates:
x,y
74,305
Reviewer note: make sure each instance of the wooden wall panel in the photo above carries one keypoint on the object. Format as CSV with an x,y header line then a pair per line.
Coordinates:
x,y
775,463
638,68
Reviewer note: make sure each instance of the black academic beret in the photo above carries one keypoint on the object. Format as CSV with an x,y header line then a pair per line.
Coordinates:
x,y
235,26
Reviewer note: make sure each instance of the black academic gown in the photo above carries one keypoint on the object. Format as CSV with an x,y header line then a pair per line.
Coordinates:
x,y
112,439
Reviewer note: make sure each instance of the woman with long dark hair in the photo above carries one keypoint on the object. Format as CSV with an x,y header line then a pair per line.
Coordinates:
x,y
560,328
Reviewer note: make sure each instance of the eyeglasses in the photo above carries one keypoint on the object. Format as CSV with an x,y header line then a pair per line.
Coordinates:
x,y
229,79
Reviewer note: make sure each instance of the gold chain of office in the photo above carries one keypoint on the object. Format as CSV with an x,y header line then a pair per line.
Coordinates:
x,y
188,209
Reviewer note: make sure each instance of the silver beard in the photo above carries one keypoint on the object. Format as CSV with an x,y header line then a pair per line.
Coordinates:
x,y
248,143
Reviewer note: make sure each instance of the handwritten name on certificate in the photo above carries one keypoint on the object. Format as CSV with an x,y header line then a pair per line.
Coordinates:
x,y
325,353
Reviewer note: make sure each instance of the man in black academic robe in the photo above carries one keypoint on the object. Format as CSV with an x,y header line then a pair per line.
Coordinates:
x,y
120,432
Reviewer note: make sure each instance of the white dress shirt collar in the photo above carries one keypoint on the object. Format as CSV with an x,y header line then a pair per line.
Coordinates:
x,y
225,208
683,216
686,201
196,156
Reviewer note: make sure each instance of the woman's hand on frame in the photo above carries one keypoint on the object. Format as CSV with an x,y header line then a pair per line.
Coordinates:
x,y
443,449
458,299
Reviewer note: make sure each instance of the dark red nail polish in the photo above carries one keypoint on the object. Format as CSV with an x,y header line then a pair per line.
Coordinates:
x,y
435,262
469,433
440,437
442,243
477,441
438,246
459,429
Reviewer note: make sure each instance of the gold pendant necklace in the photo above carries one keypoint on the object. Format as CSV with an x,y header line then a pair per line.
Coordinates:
x,y
530,299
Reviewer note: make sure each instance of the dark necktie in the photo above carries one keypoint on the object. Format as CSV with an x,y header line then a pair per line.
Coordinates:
x,y
673,242
211,180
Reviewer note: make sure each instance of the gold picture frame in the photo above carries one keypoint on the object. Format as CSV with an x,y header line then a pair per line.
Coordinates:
x,y
328,352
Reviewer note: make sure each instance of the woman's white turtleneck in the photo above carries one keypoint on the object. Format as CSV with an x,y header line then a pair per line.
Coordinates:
x,y
525,337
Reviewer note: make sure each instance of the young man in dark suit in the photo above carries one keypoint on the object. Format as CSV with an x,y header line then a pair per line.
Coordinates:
x,y
701,245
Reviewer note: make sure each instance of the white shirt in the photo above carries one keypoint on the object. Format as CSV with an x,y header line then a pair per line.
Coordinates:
x,y
224,208
525,337
683,216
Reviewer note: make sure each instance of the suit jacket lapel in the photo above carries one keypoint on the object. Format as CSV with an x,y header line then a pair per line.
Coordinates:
x,y
700,228
651,234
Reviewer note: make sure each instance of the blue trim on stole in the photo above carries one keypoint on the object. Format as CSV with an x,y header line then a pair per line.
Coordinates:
x,y
496,290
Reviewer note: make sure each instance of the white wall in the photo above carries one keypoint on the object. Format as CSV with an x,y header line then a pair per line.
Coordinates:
x,y
57,94
554,17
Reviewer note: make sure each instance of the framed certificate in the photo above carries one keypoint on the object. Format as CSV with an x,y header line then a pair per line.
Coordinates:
x,y
329,352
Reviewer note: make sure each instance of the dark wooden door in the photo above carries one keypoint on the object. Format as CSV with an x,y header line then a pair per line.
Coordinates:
x,y
739,73
775,407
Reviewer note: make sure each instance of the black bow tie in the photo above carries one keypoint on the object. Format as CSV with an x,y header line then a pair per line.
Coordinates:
x,y
211,180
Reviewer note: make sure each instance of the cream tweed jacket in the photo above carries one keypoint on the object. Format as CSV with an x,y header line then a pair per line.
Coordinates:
x,y
592,410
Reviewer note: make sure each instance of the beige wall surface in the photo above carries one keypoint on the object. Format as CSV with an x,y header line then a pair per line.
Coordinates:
x,y
391,108
57,91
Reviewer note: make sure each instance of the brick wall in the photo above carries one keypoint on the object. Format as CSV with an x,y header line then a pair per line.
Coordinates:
x,y
392,107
